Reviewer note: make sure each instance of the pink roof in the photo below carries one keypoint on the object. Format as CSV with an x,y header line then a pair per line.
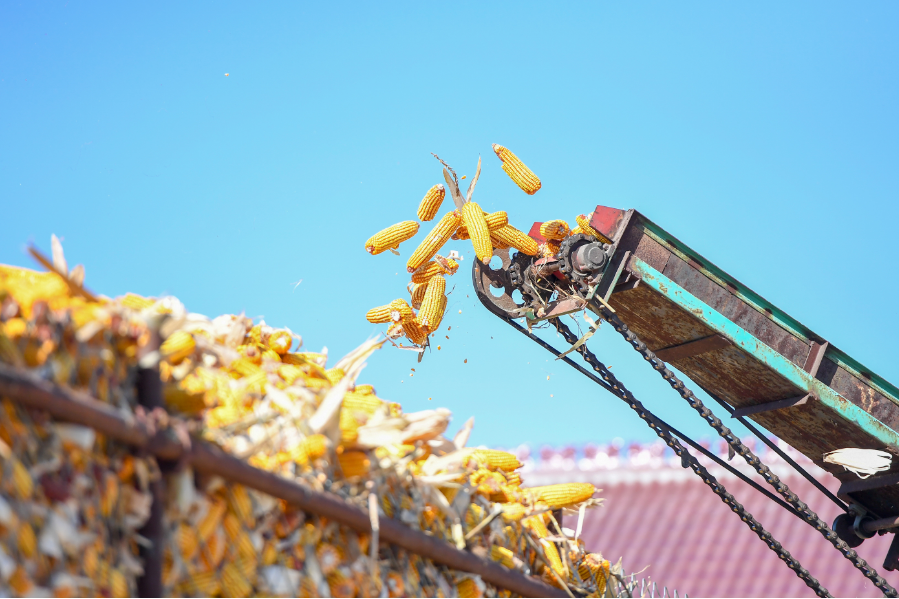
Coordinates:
x,y
658,516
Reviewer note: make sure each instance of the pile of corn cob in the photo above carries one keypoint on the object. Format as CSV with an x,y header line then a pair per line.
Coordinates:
x,y
71,501
248,388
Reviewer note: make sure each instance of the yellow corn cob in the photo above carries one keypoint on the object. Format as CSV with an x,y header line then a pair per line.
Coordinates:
x,y
309,449
365,389
342,586
513,478
549,249
27,541
435,240
474,515
584,223
205,584
473,219
280,341
328,558
496,460
430,314
109,494
349,428
400,311
391,237
517,171
269,554
576,230
354,401
240,503
461,233
136,302
418,294
513,512
188,543
290,373
554,230
594,568
213,551
234,584
334,375
424,273
467,587
516,239
353,463
537,526
212,520
503,556
178,346
245,548
379,315
232,526
415,332
20,582
22,481
497,243
118,584
430,204
441,312
562,495
497,219
555,562
447,265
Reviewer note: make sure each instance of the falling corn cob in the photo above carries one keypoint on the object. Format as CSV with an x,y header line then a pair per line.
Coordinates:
x,y
512,237
379,315
554,230
495,459
447,265
391,237
400,311
497,219
430,313
517,171
430,204
473,219
424,272
441,312
416,333
584,223
562,495
418,294
353,463
549,249
435,240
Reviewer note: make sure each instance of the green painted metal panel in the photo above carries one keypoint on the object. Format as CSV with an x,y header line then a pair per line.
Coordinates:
x,y
765,354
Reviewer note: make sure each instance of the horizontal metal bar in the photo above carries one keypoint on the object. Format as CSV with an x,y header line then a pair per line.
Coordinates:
x,y
770,406
763,353
881,524
868,484
79,408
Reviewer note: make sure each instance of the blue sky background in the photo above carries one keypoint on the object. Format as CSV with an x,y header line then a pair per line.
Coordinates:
x,y
765,137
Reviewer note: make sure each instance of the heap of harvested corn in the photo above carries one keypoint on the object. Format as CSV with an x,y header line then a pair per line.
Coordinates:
x,y
71,501
486,232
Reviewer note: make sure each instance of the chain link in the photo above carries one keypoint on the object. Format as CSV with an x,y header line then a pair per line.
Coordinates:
x,y
803,511
613,385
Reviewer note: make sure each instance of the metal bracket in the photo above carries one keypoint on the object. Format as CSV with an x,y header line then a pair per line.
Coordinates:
x,y
780,404
692,348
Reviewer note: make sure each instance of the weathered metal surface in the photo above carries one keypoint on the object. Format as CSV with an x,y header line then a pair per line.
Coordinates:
x,y
815,356
772,405
607,221
692,348
763,353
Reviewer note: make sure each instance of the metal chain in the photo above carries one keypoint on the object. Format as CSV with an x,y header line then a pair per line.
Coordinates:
x,y
803,511
613,385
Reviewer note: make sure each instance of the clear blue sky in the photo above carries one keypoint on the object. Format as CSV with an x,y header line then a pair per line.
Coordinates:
x,y
764,136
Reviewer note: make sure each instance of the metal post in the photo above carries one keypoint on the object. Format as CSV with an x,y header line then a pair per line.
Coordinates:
x,y
149,396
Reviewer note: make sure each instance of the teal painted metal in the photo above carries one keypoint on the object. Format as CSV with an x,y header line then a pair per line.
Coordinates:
x,y
763,306
760,351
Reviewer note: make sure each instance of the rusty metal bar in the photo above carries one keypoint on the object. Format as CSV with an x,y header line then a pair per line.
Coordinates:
x,y
80,408
149,396
881,524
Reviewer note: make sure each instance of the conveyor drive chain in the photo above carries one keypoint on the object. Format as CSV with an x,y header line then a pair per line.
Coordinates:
x,y
614,386
802,510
